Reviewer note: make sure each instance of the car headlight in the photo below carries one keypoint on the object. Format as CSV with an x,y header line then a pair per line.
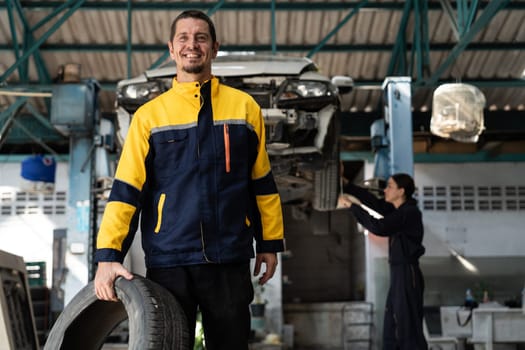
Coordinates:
x,y
305,89
134,95
306,94
141,91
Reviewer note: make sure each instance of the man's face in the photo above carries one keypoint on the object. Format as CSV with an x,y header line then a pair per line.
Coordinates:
x,y
192,49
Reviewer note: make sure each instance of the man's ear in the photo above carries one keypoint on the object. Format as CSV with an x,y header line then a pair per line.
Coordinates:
x,y
215,49
170,49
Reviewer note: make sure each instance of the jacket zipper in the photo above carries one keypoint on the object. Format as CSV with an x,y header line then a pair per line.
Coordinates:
x,y
160,205
226,131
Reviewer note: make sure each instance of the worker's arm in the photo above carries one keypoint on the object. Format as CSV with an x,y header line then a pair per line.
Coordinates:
x,y
346,200
268,202
388,225
120,219
105,277
365,197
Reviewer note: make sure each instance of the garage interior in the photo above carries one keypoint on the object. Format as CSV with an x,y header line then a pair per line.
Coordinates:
x,y
331,284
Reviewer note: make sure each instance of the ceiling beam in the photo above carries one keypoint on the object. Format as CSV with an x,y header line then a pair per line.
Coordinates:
x,y
34,47
334,31
481,22
23,71
241,6
8,116
149,48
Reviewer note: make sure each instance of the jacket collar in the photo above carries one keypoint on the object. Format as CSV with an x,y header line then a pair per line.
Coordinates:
x,y
192,86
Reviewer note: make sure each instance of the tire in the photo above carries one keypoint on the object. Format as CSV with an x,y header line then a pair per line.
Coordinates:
x,y
331,146
326,187
156,320
326,180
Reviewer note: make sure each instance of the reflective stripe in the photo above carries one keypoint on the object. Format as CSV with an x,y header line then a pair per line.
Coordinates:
x,y
159,212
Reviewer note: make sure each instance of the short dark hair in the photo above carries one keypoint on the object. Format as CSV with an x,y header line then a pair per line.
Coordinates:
x,y
197,15
405,182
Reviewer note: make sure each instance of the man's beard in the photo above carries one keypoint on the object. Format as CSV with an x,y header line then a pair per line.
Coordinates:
x,y
193,69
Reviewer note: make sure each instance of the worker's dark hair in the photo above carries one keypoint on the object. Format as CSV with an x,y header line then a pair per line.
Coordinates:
x,y
405,182
197,15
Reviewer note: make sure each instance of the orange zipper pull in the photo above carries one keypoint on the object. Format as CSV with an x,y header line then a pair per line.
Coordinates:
x,y
227,146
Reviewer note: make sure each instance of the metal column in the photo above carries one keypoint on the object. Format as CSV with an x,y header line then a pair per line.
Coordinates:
x,y
398,128
74,108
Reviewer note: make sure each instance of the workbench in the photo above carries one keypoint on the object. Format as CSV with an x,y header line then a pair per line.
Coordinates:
x,y
492,326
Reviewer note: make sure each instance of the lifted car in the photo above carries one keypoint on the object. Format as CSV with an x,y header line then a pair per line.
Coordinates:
x,y
301,110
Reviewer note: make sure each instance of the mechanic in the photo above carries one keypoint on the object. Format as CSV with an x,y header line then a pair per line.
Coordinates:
x,y
194,166
400,220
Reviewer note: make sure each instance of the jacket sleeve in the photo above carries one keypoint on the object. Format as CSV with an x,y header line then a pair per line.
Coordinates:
x,y
406,220
271,239
120,218
387,226
369,199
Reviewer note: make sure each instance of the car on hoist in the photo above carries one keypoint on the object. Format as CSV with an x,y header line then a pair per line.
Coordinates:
x,y
301,110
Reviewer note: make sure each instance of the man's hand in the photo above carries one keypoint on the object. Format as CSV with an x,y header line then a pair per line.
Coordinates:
x,y
105,277
270,259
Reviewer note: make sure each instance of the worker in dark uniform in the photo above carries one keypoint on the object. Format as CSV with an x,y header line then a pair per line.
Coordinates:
x,y
400,220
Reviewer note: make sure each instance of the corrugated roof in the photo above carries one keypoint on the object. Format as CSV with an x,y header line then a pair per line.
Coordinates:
x,y
95,36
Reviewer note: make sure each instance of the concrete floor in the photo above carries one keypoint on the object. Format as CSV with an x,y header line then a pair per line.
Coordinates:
x,y
257,346
433,345
252,347
114,346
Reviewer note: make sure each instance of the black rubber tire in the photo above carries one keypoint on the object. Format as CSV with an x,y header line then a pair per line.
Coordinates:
x,y
326,187
326,180
156,320
331,147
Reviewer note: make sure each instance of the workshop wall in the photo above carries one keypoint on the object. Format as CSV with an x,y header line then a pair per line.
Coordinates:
x,y
325,257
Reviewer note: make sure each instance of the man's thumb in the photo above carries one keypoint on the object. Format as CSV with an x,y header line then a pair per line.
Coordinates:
x,y
126,274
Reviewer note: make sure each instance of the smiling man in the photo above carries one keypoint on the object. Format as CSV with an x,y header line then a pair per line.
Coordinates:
x,y
193,45
194,167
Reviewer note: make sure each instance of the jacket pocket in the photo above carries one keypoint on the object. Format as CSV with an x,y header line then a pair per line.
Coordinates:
x,y
170,150
160,206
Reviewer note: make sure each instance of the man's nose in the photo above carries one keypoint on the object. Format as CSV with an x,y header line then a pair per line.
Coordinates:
x,y
192,42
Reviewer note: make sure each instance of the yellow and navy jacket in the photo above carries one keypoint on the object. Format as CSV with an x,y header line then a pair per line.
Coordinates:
x,y
194,166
